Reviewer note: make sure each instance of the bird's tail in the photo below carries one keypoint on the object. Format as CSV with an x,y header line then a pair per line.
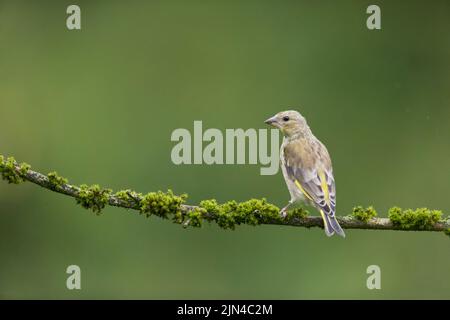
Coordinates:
x,y
331,225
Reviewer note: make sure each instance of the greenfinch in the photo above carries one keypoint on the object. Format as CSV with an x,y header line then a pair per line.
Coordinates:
x,y
307,169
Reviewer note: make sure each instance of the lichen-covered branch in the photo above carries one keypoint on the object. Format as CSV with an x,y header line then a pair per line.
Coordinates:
x,y
167,205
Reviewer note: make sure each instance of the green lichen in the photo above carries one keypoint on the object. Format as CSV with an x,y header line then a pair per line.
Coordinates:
x,y
132,197
210,205
93,197
419,219
162,204
218,213
56,181
195,217
227,215
9,171
364,215
297,213
123,195
24,168
232,213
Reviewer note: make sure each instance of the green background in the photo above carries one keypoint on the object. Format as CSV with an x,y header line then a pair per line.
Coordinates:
x,y
99,105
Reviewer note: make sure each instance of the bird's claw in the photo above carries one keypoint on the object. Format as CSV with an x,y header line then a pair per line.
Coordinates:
x,y
283,213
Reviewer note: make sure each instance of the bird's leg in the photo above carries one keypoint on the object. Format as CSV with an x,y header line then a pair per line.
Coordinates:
x,y
283,212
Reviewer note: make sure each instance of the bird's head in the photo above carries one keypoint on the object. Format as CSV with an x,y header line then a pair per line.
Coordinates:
x,y
289,122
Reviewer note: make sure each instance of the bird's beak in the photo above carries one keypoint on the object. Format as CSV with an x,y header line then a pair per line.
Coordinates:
x,y
272,121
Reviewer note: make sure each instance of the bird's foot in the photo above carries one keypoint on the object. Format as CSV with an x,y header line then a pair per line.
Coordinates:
x,y
283,213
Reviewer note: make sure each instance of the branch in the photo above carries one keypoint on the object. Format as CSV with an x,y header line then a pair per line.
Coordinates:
x,y
227,215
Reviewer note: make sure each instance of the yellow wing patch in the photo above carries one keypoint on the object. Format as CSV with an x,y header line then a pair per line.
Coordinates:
x,y
324,185
303,190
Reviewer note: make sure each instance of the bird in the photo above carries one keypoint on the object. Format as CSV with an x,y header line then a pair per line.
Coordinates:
x,y
307,169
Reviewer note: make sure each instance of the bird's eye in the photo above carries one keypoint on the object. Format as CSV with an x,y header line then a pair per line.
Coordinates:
x,y
285,118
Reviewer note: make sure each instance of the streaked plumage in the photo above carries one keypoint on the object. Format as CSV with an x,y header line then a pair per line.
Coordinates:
x,y
307,168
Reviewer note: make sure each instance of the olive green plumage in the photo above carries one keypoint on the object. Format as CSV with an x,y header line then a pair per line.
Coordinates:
x,y
307,168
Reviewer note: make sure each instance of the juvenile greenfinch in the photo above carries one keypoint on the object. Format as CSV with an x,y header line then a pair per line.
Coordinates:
x,y
307,169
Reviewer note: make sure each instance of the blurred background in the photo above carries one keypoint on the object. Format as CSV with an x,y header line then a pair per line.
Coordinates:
x,y
99,106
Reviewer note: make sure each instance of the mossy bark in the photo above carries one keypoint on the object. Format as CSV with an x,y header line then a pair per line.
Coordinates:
x,y
227,215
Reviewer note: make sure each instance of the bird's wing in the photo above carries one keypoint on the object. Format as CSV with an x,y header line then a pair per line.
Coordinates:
x,y
309,167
